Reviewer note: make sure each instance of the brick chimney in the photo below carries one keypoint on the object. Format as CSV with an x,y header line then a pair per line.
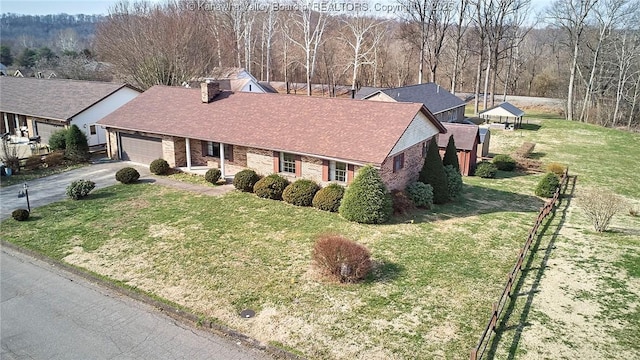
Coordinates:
x,y
209,91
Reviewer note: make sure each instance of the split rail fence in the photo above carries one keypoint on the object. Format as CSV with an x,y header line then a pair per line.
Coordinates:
x,y
496,309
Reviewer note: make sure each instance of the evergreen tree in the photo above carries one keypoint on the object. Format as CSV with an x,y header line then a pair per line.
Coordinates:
x,y
432,173
5,55
451,155
77,147
366,200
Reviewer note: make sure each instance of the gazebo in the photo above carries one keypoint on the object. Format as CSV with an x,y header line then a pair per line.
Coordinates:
x,y
504,110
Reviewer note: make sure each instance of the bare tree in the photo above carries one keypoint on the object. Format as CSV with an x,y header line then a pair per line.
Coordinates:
x,y
462,13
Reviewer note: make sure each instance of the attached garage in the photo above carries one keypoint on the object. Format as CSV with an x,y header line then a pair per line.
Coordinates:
x,y
45,130
140,149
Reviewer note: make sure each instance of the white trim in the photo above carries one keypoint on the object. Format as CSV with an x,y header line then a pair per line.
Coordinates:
x,y
221,160
188,149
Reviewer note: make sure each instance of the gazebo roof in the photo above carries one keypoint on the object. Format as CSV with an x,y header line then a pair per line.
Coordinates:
x,y
505,109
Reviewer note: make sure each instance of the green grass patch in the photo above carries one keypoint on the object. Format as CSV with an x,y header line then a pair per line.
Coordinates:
x,y
190,178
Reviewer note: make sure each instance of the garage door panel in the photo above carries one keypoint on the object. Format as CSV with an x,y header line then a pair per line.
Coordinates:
x,y
45,130
140,149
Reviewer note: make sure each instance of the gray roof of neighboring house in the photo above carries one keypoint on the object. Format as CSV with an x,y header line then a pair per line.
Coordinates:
x,y
504,109
267,87
463,135
433,96
366,91
52,98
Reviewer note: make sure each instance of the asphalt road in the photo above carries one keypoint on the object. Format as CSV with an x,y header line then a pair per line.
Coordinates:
x,y
47,313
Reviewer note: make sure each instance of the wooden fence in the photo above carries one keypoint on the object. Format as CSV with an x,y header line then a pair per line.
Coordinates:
x,y
497,307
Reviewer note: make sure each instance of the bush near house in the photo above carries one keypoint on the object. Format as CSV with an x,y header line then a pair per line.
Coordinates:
x,y
58,140
80,189
366,200
127,175
301,192
555,168
33,162
504,162
20,214
159,167
486,170
328,198
54,159
213,175
271,187
245,179
451,155
454,181
402,204
77,147
421,194
341,259
547,185
432,173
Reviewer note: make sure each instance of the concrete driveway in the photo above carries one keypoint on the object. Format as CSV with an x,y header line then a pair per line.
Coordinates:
x,y
52,188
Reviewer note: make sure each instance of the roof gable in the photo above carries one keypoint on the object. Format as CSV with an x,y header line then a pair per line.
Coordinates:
x,y
465,136
361,132
52,98
504,109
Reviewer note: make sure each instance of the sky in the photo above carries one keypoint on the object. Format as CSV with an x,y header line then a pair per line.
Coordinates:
x,y
89,7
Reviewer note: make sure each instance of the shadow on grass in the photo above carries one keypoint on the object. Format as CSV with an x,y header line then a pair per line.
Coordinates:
x,y
533,268
537,155
146,181
100,195
475,200
530,127
384,271
509,174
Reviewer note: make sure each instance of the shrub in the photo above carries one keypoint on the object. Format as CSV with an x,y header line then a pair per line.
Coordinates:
x,y
600,206
301,192
341,259
245,180
402,204
54,159
451,154
504,162
127,175
555,168
421,194
57,140
271,187
159,167
77,147
33,162
432,173
366,200
213,175
80,188
547,185
20,214
486,170
454,181
328,198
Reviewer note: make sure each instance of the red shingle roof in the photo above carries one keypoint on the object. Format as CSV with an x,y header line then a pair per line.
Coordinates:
x,y
464,136
356,131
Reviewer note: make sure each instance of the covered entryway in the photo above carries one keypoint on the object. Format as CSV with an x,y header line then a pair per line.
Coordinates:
x,y
45,130
140,149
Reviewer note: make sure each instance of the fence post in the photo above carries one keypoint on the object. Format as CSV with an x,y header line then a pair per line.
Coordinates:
x,y
474,354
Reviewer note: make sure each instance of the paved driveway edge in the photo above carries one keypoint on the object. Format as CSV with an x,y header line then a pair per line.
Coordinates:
x,y
172,311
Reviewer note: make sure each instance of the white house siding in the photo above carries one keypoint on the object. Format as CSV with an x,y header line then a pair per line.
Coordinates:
x,y
419,130
99,110
252,86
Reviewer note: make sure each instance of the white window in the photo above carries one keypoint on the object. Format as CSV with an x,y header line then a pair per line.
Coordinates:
x,y
287,163
92,129
337,171
213,149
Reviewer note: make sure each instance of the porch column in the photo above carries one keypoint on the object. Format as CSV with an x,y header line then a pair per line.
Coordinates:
x,y
222,160
6,122
188,144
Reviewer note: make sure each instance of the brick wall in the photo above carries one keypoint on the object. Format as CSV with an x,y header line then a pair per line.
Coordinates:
x,y
260,160
413,162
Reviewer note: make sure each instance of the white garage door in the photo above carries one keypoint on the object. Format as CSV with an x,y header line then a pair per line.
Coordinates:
x,y
140,149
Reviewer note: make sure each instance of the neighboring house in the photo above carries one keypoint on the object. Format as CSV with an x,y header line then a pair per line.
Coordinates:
x,y
233,79
443,104
322,139
504,111
31,107
466,138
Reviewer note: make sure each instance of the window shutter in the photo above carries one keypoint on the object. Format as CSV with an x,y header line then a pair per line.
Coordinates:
x,y
298,165
276,162
350,173
325,170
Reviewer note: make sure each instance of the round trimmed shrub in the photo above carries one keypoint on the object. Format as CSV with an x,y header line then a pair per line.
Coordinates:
x,y
547,185
421,194
58,140
159,167
328,198
245,180
271,187
504,162
127,175
301,192
341,259
80,189
402,204
486,170
213,175
366,200
454,181
20,214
